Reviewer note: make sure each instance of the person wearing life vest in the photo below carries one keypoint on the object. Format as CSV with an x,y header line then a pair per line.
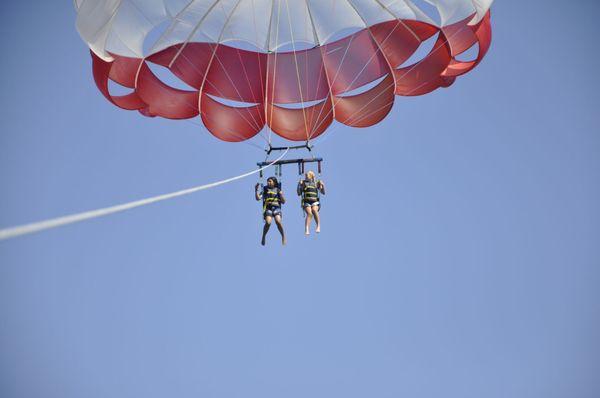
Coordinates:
x,y
272,197
309,189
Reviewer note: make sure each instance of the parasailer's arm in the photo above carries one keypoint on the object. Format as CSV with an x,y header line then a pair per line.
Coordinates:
x,y
257,193
321,186
300,187
281,197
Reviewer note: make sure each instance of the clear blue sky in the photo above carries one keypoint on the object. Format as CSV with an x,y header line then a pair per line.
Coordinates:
x,y
459,256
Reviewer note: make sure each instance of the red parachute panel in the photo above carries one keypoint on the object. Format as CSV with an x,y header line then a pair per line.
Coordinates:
x,y
264,84
295,77
368,108
230,123
300,124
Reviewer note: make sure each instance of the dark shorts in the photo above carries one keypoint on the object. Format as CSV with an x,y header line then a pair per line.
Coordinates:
x,y
272,212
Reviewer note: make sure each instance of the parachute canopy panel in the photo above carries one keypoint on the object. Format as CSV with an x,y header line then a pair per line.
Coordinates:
x,y
294,65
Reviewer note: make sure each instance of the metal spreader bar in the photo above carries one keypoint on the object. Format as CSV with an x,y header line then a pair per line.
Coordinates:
x,y
284,148
299,162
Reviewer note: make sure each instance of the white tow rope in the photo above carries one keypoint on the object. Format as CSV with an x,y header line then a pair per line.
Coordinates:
x,y
26,229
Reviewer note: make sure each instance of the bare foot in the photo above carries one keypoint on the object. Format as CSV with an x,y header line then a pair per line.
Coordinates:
x,y
283,240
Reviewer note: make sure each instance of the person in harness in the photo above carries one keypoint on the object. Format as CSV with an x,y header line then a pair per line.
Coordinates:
x,y
309,189
272,197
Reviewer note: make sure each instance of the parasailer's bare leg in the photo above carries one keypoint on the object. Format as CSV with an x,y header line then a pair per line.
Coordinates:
x,y
315,212
280,228
266,229
307,220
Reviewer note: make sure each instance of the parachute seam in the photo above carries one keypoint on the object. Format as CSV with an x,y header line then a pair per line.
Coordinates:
x,y
408,71
297,70
272,105
398,19
312,24
335,99
193,32
391,70
331,82
134,4
110,23
210,62
174,22
266,83
200,112
323,69
256,124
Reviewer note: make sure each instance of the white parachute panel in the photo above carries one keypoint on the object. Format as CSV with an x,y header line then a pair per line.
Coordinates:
x,y
123,26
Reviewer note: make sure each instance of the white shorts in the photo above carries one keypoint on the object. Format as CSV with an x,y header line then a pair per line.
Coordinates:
x,y
305,205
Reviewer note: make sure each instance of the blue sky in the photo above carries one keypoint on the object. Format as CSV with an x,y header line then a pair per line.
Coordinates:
x,y
459,255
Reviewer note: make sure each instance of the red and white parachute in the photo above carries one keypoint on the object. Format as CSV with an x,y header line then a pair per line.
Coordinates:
x,y
293,65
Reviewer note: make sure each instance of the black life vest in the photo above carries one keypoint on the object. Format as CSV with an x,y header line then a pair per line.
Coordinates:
x,y
310,192
270,198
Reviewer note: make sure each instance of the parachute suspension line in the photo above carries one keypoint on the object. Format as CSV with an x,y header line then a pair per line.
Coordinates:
x,y
391,102
364,66
379,49
245,142
193,32
196,107
262,83
297,70
221,95
316,38
268,47
409,70
415,35
173,24
180,53
329,81
214,56
31,228
397,79
374,111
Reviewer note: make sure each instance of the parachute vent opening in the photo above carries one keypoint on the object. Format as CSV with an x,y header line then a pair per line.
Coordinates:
x,y
342,34
243,45
364,88
422,52
167,77
291,47
301,105
469,55
429,9
155,37
231,103
118,90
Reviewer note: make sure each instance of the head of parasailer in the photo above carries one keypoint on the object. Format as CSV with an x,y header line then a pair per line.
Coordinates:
x,y
272,182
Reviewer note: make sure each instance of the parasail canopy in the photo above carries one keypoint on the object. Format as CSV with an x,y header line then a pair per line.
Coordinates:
x,y
293,65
